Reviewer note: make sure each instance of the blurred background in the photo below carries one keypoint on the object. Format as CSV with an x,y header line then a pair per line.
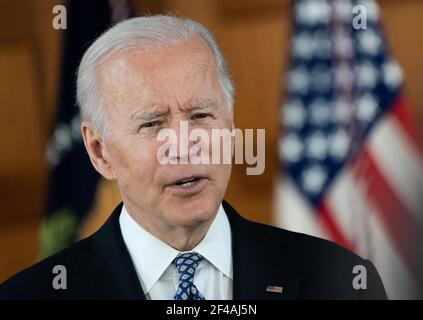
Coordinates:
x,y
300,71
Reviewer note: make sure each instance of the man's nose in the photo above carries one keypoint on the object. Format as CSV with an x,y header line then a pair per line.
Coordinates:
x,y
182,149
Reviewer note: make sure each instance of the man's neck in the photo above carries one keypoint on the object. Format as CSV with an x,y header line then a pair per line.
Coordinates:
x,y
180,238
186,239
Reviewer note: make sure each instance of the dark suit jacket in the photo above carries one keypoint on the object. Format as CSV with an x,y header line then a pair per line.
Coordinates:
x,y
100,267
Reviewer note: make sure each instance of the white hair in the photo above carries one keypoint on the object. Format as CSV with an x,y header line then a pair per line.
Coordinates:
x,y
140,32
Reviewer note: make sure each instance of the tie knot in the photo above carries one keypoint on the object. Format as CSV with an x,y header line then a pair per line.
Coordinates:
x,y
187,263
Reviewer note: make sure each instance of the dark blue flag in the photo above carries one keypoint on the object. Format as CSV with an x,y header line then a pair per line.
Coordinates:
x,y
73,180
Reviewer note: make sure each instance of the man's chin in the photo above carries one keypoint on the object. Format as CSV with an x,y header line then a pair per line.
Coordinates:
x,y
193,212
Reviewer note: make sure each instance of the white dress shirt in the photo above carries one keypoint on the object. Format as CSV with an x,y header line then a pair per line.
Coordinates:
x,y
153,258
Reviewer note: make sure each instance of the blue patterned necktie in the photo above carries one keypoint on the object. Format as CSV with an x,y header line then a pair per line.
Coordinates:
x,y
187,263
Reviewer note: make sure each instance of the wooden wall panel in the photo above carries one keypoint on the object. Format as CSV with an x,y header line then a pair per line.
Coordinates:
x,y
403,23
21,166
29,58
254,46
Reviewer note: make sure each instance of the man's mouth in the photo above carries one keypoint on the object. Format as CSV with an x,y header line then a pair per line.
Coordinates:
x,y
187,182
188,186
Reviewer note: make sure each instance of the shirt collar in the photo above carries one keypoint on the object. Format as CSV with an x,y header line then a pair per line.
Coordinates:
x,y
216,246
152,257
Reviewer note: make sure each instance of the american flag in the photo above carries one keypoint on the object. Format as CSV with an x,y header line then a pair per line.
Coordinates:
x,y
353,166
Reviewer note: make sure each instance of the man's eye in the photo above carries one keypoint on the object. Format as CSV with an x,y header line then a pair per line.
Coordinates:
x,y
199,116
149,124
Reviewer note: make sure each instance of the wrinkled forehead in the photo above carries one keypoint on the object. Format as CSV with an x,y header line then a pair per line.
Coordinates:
x,y
177,73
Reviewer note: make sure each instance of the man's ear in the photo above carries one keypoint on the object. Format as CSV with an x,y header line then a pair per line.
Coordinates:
x,y
95,147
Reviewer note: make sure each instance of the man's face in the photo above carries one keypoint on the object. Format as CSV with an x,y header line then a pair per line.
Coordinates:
x,y
145,92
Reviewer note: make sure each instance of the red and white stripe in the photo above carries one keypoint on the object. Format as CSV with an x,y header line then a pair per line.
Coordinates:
x,y
375,205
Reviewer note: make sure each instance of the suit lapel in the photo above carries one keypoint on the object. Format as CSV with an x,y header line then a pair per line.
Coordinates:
x,y
259,262
114,275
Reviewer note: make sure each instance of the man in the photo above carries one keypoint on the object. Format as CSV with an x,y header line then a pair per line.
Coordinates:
x,y
174,237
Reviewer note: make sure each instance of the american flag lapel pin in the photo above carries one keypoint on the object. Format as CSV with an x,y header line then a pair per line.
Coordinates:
x,y
274,289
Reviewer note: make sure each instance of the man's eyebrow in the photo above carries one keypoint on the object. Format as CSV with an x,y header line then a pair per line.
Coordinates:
x,y
149,115
203,105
